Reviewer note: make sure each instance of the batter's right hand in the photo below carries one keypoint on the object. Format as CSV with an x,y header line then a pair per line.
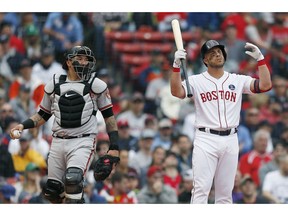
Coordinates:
x,y
179,54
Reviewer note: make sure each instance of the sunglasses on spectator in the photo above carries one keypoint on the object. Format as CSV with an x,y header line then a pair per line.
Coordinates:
x,y
138,101
123,127
252,114
7,111
279,86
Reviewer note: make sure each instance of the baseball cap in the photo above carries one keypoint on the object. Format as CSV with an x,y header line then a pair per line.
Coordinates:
x,y
154,169
132,173
137,96
8,191
188,175
165,123
147,134
31,30
103,72
150,118
31,167
25,62
246,179
122,123
48,51
229,24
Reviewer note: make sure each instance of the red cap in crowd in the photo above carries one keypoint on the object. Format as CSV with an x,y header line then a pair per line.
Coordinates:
x,y
153,169
122,123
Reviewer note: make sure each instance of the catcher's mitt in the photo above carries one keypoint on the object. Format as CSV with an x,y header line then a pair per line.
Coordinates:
x,y
103,167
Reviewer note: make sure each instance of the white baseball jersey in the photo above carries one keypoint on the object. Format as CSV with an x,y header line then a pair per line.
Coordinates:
x,y
222,95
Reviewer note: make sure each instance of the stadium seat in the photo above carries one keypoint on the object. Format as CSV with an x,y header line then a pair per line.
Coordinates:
x,y
135,60
148,36
162,47
119,36
123,47
186,36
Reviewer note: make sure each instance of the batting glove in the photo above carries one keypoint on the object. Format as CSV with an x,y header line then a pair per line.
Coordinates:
x,y
179,54
255,51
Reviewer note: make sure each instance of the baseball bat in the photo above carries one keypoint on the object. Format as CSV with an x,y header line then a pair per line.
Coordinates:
x,y
179,44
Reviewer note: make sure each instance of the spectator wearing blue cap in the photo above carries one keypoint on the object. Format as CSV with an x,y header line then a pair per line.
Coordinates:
x,y
6,192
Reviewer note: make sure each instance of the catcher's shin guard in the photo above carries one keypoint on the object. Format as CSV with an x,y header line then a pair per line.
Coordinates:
x,y
74,201
54,191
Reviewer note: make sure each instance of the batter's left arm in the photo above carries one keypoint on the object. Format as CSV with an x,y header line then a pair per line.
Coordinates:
x,y
264,83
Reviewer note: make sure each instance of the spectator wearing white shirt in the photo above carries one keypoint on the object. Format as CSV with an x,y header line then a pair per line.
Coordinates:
x,y
47,66
135,115
275,185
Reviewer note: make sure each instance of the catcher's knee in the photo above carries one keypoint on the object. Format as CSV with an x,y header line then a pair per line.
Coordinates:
x,y
73,180
54,191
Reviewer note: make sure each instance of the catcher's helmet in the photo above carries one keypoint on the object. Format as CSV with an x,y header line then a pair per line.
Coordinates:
x,y
83,71
209,45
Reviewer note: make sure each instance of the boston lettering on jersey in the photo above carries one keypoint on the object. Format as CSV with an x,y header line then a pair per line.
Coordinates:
x,y
224,95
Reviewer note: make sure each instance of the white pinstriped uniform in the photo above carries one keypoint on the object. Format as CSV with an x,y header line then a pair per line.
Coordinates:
x,y
218,106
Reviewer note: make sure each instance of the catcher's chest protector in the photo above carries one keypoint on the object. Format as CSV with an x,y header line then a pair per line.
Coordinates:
x,y
72,103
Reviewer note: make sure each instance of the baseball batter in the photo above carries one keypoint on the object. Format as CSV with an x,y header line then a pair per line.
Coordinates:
x,y
217,95
74,100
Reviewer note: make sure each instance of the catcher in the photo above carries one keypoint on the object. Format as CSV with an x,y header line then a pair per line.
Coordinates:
x,y
73,100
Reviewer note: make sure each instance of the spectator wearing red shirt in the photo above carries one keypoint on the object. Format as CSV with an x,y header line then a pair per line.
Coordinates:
x,y
36,85
14,41
164,20
171,175
241,20
118,193
250,162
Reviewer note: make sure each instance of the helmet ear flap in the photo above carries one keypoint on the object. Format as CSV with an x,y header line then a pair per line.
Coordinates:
x,y
64,65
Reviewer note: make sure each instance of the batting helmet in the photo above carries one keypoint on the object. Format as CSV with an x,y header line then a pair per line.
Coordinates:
x,y
83,71
209,45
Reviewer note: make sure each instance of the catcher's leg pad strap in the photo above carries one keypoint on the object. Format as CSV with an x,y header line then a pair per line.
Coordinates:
x,y
54,191
73,180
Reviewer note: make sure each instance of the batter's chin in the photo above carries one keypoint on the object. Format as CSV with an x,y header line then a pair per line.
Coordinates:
x,y
219,65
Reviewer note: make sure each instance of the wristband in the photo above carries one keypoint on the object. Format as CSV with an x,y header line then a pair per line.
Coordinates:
x,y
113,147
261,62
176,70
113,137
29,123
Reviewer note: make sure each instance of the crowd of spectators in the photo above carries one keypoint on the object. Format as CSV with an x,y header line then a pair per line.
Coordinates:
x,y
156,130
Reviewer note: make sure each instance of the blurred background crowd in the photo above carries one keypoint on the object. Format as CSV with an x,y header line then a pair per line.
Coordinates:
x,y
134,53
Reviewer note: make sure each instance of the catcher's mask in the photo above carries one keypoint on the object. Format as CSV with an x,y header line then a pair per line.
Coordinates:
x,y
209,45
83,71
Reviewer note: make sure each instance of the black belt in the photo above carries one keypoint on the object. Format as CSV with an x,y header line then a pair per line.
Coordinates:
x,y
71,137
220,133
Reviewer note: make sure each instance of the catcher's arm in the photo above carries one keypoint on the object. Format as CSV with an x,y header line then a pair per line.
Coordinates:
x,y
106,164
112,130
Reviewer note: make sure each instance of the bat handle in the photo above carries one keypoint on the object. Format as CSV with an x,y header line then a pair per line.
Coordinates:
x,y
189,93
